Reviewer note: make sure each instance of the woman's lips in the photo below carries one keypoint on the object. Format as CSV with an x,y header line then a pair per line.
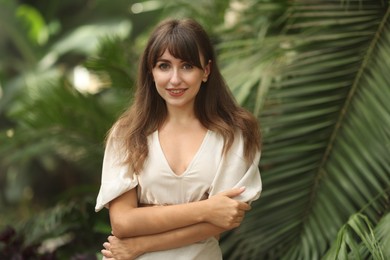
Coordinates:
x,y
176,92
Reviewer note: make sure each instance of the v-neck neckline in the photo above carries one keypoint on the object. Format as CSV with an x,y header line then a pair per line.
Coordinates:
x,y
193,160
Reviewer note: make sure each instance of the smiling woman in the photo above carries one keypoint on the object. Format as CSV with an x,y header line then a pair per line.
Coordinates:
x,y
184,147
177,81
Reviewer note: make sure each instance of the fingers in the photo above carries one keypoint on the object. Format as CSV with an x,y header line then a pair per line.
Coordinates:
x,y
107,245
110,238
244,206
239,216
107,253
233,192
234,222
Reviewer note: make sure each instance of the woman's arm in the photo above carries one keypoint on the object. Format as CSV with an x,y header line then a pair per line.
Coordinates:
x,y
129,220
130,248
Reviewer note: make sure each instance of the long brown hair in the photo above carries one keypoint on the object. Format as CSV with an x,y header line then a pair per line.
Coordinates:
x,y
215,106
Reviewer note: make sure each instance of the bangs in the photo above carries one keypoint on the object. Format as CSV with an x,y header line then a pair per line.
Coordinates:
x,y
180,43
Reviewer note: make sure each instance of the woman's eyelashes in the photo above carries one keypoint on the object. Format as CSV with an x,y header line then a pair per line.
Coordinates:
x,y
164,66
187,66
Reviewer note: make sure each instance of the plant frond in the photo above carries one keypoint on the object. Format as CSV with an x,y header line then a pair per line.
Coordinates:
x,y
358,230
324,129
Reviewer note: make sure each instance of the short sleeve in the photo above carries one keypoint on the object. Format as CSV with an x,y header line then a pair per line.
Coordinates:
x,y
234,172
116,177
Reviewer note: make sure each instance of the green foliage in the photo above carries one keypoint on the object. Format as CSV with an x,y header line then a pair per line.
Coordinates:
x,y
211,14
74,222
346,246
51,135
314,72
115,64
59,129
66,231
325,124
37,29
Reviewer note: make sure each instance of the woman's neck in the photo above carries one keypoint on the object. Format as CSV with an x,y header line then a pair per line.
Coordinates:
x,y
181,116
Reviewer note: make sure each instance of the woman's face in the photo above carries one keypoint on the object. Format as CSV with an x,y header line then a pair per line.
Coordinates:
x,y
177,81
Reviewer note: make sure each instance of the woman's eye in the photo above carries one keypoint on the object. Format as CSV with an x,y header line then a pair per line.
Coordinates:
x,y
187,66
163,66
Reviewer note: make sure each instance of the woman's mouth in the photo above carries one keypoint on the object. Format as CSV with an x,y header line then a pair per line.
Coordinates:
x,y
176,92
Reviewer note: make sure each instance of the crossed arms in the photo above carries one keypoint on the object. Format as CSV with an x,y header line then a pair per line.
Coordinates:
x,y
138,230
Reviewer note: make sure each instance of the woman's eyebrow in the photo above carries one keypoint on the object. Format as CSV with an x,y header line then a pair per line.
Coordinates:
x,y
169,61
163,60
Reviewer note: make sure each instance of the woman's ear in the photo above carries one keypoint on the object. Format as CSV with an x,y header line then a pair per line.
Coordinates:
x,y
207,70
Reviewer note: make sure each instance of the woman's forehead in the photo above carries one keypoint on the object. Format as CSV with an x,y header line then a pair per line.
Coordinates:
x,y
194,58
166,54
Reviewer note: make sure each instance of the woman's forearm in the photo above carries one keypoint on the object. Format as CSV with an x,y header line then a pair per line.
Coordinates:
x,y
130,248
181,237
175,238
157,219
129,220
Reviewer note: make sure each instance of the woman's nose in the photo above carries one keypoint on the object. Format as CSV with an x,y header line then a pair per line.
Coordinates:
x,y
175,77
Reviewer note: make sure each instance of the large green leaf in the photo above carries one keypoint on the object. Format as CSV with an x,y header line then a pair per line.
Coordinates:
x,y
325,122
357,228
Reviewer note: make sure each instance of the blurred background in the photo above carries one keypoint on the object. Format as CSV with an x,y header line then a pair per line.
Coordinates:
x,y
315,73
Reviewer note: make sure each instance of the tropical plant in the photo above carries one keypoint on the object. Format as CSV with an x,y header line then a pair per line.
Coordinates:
x,y
315,74
52,134
318,79
48,129
70,230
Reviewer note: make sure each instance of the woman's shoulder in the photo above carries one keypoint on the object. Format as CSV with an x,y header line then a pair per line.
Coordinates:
x,y
237,143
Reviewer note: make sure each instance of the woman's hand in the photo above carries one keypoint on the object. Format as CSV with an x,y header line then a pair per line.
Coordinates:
x,y
224,211
121,249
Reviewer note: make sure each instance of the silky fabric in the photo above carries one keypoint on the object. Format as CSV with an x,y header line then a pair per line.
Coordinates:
x,y
210,172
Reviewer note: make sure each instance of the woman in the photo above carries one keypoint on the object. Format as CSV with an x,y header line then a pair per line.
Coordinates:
x,y
181,165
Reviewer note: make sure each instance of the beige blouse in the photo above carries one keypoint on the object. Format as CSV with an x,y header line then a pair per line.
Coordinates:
x,y
210,172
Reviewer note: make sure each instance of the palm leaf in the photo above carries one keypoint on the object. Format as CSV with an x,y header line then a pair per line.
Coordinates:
x,y
325,122
61,121
346,246
382,233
